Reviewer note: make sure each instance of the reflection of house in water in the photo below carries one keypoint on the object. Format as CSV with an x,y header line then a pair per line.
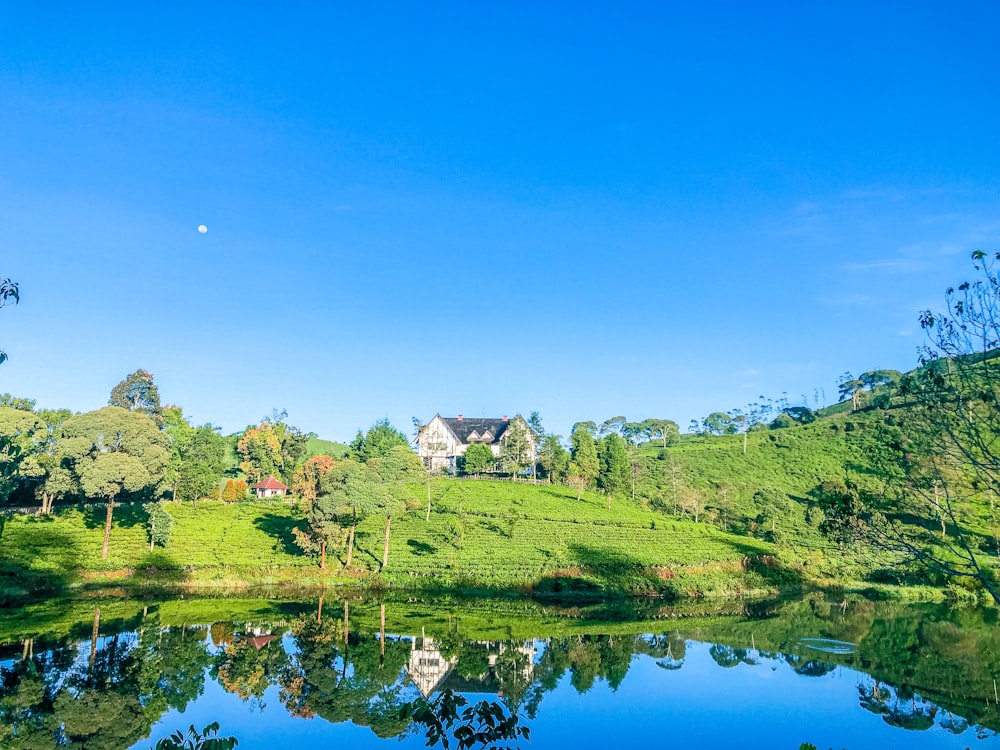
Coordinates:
x,y
432,672
258,636
428,666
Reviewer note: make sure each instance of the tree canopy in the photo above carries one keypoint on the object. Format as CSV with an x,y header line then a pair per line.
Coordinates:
x,y
112,451
479,458
139,393
379,440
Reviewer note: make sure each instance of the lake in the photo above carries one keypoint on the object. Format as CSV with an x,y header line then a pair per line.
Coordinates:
x,y
844,673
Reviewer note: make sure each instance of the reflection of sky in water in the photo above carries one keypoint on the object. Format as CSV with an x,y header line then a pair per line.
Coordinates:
x,y
766,705
703,705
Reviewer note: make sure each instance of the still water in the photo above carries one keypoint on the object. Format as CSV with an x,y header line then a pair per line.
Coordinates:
x,y
335,673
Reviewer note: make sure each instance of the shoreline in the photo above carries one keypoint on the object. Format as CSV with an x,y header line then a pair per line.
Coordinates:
x,y
578,590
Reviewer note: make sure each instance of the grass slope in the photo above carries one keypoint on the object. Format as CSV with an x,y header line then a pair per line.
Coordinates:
x,y
320,447
481,534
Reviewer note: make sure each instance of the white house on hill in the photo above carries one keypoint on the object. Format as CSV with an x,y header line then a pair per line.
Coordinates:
x,y
442,440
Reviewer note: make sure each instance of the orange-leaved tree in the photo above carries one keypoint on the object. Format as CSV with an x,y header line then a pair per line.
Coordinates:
x,y
260,452
235,489
306,482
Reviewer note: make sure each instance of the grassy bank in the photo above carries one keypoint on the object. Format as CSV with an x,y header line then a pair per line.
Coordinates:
x,y
481,534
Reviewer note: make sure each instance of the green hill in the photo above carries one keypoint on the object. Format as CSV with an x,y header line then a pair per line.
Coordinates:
x,y
705,518
320,447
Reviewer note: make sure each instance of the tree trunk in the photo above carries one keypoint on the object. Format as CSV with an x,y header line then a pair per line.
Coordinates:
x,y
428,519
381,660
347,628
937,504
322,554
93,636
744,442
107,528
350,546
385,549
319,611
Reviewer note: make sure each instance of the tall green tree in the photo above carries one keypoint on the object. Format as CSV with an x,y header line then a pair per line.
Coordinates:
x,y
292,442
851,387
771,504
479,458
554,458
664,430
23,404
615,472
719,423
636,433
584,452
179,430
614,424
159,524
535,423
113,452
47,468
515,447
379,440
946,464
399,464
22,435
349,493
203,462
138,393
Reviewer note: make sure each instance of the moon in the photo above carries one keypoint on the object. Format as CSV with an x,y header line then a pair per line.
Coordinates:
x,y
202,228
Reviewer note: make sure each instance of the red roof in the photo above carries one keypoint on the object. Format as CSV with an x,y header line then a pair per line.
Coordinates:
x,y
270,484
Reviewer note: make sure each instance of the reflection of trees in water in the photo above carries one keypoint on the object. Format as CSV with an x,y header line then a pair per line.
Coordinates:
x,y
61,697
56,697
898,707
587,658
359,679
728,656
808,667
249,666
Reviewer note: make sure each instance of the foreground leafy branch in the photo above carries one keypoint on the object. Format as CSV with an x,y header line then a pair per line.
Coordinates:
x,y
482,725
192,739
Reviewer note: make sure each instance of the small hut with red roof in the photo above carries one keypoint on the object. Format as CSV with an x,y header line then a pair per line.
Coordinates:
x,y
270,487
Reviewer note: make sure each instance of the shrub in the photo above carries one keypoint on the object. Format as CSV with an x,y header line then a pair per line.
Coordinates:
x,y
782,422
235,490
158,524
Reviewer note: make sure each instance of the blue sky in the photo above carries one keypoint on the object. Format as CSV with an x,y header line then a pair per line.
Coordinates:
x,y
576,208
